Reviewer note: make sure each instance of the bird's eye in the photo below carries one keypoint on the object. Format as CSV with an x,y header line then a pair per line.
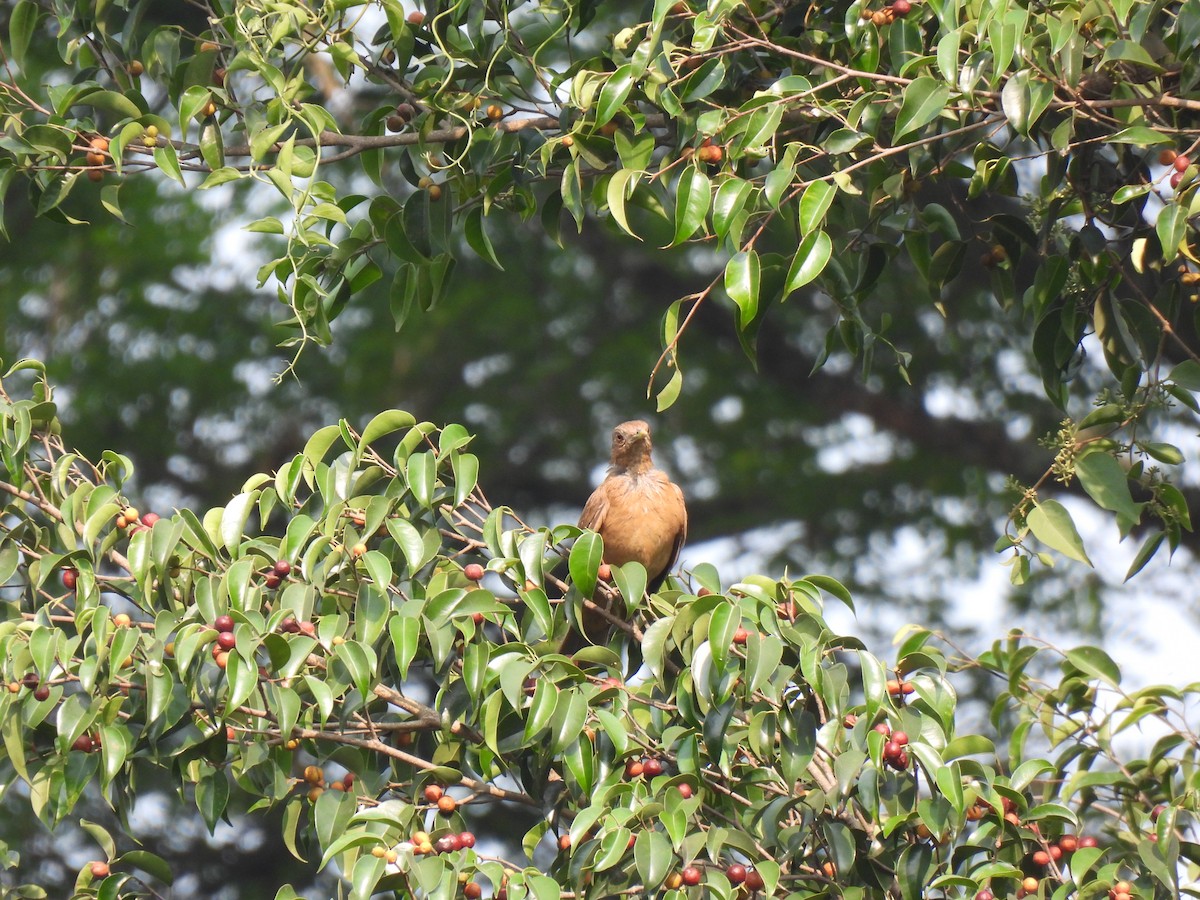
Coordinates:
x,y
620,438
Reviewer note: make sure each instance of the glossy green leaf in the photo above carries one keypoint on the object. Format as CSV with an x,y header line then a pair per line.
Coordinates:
x,y
691,205
924,100
743,276
812,256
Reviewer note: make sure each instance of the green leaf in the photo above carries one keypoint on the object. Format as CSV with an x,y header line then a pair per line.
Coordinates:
x,y
110,101
810,260
166,159
612,96
814,204
233,521
728,204
742,277
1105,482
21,24
924,100
1096,663
585,559
1145,553
1163,452
1171,226
620,186
477,238
670,391
384,423
1186,375
691,204
1052,525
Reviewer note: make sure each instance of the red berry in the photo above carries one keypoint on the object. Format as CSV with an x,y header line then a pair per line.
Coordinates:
x,y
1176,178
901,760
691,876
901,8
1154,813
41,692
741,635
685,791
1068,843
83,743
474,572
272,581
1088,841
985,894
1056,852
1181,163
736,873
892,751
223,623
604,573
99,869
226,640
307,627
467,839
564,842
652,767
445,844
634,768
900,737
883,728
754,881
1041,858
433,793
282,568
472,890
148,519
69,578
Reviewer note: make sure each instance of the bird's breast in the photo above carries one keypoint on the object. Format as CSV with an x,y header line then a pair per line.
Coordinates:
x,y
642,522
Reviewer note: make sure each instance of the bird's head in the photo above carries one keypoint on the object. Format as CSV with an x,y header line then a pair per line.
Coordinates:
x,y
631,445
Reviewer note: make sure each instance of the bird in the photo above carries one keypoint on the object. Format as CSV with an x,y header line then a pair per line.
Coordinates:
x,y
640,515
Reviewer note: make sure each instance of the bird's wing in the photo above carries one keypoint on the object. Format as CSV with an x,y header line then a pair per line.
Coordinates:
x,y
678,509
681,534
595,509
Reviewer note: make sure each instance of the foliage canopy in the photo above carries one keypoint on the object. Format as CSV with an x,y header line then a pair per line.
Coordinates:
x,y
327,620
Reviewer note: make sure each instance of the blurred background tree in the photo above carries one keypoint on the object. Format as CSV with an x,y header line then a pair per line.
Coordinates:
x,y
997,236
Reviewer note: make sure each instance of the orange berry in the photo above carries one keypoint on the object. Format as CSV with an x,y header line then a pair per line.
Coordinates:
x,y
447,805
433,793
1030,885
314,774
99,869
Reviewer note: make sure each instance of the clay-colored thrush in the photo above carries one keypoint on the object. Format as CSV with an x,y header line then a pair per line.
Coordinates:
x,y
640,514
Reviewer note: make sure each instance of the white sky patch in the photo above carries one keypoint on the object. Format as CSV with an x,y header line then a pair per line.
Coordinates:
x,y
858,444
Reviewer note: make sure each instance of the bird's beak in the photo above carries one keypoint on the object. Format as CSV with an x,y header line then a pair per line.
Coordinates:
x,y
641,436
